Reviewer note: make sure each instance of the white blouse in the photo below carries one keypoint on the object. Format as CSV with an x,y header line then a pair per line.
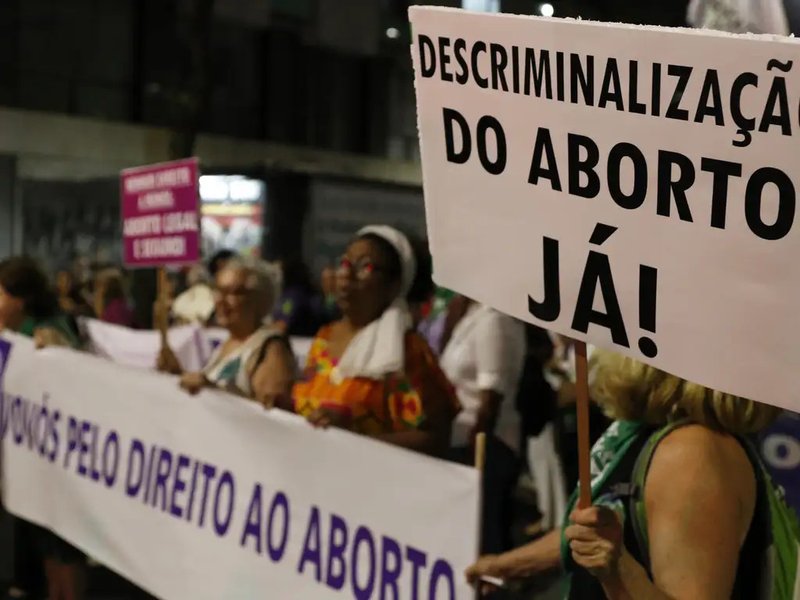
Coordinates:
x,y
233,371
485,352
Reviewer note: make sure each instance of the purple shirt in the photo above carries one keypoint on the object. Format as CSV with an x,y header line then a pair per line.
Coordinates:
x,y
118,312
432,329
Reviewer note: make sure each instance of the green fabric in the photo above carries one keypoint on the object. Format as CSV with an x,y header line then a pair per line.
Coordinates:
x,y
59,323
780,566
228,373
606,454
784,548
441,299
28,327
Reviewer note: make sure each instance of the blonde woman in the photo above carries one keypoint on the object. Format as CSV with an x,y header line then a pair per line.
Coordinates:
x,y
696,529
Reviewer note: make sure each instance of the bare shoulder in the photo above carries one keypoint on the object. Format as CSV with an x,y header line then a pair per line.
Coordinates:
x,y
700,496
696,446
701,463
279,348
332,331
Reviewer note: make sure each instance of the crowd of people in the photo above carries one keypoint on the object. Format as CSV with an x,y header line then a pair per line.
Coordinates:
x,y
395,359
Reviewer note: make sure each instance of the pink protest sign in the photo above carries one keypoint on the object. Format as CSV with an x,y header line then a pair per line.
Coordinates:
x,y
160,222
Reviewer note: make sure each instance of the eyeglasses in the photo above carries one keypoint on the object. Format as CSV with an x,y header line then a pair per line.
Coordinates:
x,y
363,268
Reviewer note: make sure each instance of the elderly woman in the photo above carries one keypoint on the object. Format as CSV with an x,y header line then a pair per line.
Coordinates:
x,y
682,504
256,361
28,305
369,372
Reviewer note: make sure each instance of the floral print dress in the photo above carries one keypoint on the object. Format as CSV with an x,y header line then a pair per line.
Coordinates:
x,y
420,397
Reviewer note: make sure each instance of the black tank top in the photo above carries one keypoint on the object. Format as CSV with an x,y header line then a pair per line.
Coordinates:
x,y
585,586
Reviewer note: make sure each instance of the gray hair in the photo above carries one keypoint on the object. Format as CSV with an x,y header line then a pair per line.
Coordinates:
x,y
263,278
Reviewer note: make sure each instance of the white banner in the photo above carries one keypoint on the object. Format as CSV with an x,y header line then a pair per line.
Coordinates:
x,y
632,187
140,348
213,497
192,345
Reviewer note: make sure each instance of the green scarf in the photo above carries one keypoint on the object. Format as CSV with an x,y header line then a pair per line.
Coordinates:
x,y
606,454
58,322
441,299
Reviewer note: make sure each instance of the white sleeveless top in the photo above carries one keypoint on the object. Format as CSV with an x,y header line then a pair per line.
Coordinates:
x,y
233,371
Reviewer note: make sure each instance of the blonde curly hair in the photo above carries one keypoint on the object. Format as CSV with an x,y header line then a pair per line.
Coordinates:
x,y
632,391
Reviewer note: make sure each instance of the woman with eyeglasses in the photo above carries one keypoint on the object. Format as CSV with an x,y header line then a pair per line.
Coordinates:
x,y
369,372
256,361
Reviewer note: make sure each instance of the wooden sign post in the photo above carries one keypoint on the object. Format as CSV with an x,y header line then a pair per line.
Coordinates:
x,y
161,316
584,443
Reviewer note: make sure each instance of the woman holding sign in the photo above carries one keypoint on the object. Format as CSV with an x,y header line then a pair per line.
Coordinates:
x,y
682,505
29,306
369,372
256,361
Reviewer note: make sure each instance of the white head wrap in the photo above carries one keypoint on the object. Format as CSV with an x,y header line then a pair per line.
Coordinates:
x,y
398,241
379,348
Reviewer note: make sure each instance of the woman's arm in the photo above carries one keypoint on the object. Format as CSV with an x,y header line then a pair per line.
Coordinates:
x,y
631,582
193,382
273,377
699,498
167,361
533,559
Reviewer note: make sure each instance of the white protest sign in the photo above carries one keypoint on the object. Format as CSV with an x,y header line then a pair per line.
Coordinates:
x,y
212,497
140,348
192,345
628,186
739,16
